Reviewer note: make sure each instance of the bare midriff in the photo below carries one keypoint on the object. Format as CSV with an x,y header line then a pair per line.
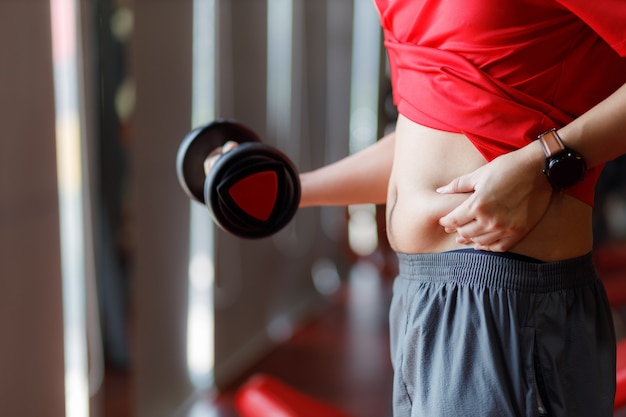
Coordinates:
x,y
426,159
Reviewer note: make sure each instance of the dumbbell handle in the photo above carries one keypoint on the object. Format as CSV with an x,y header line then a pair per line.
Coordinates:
x,y
214,156
198,144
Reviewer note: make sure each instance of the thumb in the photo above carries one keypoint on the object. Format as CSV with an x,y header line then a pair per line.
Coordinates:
x,y
462,184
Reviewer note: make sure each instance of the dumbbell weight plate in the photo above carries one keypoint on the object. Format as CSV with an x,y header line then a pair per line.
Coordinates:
x,y
198,145
253,191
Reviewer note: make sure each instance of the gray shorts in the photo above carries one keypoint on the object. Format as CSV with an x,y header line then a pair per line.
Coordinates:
x,y
475,334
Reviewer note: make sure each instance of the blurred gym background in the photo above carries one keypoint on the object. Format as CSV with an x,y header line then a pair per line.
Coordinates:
x,y
118,296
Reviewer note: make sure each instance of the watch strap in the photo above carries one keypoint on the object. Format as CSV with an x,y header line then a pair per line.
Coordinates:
x,y
551,142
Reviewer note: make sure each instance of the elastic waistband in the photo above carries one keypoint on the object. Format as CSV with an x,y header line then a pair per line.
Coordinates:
x,y
484,269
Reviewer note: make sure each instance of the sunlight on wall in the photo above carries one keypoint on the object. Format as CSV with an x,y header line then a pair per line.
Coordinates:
x,y
362,232
279,69
67,60
200,318
362,229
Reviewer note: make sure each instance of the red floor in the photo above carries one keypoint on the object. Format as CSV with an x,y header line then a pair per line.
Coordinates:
x,y
341,357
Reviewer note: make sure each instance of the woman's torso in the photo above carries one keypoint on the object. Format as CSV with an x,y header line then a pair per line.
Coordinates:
x,y
502,73
426,159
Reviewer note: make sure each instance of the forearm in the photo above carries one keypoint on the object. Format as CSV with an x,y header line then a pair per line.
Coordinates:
x,y
510,195
356,179
599,134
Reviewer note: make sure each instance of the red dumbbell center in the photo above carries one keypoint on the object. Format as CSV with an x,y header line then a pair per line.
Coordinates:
x,y
256,194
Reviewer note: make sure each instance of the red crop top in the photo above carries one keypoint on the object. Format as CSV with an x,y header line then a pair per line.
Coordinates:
x,y
503,71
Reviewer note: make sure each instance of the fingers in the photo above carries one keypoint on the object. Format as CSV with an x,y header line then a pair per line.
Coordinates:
x,y
458,217
463,184
484,236
230,145
492,242
462,214
474,221
216,154
485,239
501,245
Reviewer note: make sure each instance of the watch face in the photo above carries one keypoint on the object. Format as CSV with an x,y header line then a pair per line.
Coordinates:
x,y
566,169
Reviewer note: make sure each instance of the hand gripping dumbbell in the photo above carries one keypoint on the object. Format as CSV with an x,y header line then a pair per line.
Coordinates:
x,y
252,191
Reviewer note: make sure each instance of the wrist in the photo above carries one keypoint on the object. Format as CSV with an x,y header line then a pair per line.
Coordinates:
x,y
306,198
534,156
564,167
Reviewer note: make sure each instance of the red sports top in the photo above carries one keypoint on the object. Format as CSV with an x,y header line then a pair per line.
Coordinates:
x,y
504,71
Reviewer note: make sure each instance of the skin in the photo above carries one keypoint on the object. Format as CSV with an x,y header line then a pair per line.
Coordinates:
x,y
442,195
532,219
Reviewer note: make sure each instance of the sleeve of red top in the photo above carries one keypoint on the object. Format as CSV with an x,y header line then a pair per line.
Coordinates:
x,y
606,17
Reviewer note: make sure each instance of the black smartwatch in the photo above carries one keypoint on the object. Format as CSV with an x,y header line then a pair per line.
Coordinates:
x,y
564,167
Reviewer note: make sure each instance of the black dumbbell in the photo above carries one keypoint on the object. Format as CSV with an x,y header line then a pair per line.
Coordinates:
x,y
252,191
